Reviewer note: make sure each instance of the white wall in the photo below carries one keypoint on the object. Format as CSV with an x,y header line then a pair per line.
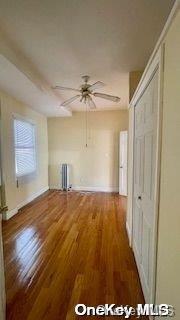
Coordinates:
x,y
17,197
94,167
168,262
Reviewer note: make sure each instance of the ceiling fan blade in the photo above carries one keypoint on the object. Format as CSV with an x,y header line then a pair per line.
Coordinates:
x,y
65,88
65,103
91,103
106,96
96,85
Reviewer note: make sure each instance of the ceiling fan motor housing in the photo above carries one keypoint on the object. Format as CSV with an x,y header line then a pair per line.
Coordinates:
x,y
85,78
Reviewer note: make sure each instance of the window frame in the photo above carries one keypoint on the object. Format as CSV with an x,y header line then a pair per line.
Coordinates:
x,y
25,176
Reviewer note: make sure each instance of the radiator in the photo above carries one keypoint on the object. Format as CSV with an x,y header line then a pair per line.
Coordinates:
x,y
65,176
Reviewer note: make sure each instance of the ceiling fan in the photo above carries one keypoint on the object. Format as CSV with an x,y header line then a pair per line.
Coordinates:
x,y
86,92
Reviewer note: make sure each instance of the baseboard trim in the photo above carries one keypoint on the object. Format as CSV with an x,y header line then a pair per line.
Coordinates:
x,y
128,233
9,214
54,188
93,189
96,189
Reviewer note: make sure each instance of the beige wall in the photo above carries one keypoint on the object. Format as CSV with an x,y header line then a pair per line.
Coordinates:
x,y
168,263
94,167
16,197
134,78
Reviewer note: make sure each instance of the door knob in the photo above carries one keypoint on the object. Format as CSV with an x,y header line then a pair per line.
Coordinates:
x,y
139,198
121,167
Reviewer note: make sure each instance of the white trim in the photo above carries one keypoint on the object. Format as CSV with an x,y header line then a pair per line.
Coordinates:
x,y
24,118
128,233
54,188
96,189
130,174
90,188
146,78
2,202
11,213
123,190
158,158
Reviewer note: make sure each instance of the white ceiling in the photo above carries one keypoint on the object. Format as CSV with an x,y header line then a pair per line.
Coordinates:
x,y
64,40
20,87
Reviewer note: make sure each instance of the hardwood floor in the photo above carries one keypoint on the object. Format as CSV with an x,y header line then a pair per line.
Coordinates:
x,y
68,248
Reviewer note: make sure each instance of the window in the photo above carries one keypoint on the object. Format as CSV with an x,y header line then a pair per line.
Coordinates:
x,y
24,144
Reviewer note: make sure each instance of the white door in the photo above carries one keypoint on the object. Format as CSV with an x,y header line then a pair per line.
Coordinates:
x,y
2,209
145,146
123,163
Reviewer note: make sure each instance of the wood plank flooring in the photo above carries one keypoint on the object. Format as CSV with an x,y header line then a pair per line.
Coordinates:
x,y
68,248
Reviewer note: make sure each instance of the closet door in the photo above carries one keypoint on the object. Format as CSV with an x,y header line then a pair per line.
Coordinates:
x,y
145,145
3,208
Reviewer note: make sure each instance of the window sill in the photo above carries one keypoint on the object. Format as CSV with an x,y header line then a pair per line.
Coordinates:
x,y
26,178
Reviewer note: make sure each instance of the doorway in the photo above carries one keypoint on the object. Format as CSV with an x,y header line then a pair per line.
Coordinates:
x,y
123,140
147,104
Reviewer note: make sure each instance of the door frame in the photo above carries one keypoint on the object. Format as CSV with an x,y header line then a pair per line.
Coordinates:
x,y
126,133
156,64
2,191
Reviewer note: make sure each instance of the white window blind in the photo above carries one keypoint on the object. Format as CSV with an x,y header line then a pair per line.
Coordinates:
x,y
25,149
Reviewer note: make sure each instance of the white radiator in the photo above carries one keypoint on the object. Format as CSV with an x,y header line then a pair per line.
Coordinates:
x,y
65,170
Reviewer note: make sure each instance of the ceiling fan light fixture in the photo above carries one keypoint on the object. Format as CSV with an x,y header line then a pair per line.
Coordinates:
x,y
85,92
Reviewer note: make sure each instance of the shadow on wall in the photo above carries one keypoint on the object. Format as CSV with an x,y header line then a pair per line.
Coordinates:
x,y
94,167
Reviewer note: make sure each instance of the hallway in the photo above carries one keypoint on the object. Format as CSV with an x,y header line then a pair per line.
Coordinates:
x,y
68,248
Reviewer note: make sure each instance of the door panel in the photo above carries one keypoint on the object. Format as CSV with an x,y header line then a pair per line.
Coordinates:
x,y
137,231
145,250
148,155
2,204
144,178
